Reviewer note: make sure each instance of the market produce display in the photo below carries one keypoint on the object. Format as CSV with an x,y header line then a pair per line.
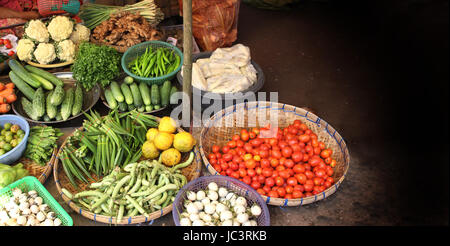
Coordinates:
x,y
52,42
155,63
228,70
125,29
285,163
7,96
95,64
9,174
41,143
131,95
11,136
95,14
218,206
27,209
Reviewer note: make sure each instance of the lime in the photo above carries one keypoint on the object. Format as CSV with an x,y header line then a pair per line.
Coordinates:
x,y
8,138
7,126
7,147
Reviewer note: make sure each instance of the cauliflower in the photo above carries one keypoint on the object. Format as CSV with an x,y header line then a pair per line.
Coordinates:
x,y
60,28
25,49
66,50
80,34
45,53
36,31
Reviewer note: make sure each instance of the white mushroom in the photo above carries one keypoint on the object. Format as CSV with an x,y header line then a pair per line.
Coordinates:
x,y
34,209
38,200
40,216
43,207
51,215
57,222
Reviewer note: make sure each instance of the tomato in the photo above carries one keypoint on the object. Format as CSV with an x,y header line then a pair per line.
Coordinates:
x,y
225,149
215,149
247,157
309,148
284,174
255,130
301,178
217,168
329,172
321,145
247,180
273,142
320,173
333,163
282,144
242,172
264,153
330,179
314,161
303,127
289,163
299,188
309,174
316,190
276,154
213,161
248,147
269,181
316,150
265,163
293,130
289,189
299,168
291,181
252,135
318,181
305,157
228,172
297,123
281,192
275,174
236,137
307,166
308,194
250,163
325,153
296,148
256,142
304,138
223,173
327,184
251,172
273,194
218,156
308,187
273,162
255,185
279,181
224,166
292,142
286,152
266,189
280,168
267,172
261,192
297,194
231,144
211,156
239,144
297,156
233,166
227,157
261,179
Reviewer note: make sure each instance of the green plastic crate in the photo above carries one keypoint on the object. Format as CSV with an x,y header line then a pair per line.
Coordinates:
x,y
31,183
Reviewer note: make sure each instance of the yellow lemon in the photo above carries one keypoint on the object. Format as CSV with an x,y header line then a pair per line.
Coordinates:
x,y
151,133
170,157
163,140
149,150
183,141
167,124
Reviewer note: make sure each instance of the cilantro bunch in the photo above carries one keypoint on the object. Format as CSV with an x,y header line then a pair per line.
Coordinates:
x,y
95,64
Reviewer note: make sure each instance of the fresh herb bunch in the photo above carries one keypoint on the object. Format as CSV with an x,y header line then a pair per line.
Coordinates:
x,y
95,64
41,142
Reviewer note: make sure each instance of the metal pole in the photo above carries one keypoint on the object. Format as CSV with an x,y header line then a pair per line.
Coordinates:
x,y
187,61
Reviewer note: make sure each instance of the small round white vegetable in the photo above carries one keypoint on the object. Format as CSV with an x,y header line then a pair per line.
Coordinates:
x,y
47,222
248,223
31,221
31,201
12,222
21,220
51,215
223,192
213,186
230,196
226,215
236,223
43,207
220,208
241,201
191,195
192,209
185,222
23,206
210,208
200,195
238,209
206,201
213,195
16,192
26,211
32,193
34,209
227,223
256,210
198,223
242,218
38,200
207,218
194,217
253,223
184,215
201,215
215,216
199,205
40,216
57,222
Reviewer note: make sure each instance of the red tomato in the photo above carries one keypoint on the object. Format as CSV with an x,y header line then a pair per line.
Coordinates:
x,y
289,189
304,138
266,188
280,168
314,161
327,184
291,181
252,135
258,170
284,174
316,150
293,130
309,174
273,142
218,156
303,127
301,178
8,45
308,187
231,144
227,157
289,163
307,166
265,163
325,153
275,174
299,188
318,181
309,148
250,163
328,160
213,161
234,166
217,168
305,157
297,194
299,168
330,179
297,123
263,153
211,156
251,172
228,172
273,162
242,172
321,145
225,149
279,181
239,143
286,152
236,138
333,163
281,192
329,172
247,180
256,142
267,172
308,194
224,165
320,173
11,52
296,148
276,154
261,179
261,192
273,194
255,185
248,147
215,149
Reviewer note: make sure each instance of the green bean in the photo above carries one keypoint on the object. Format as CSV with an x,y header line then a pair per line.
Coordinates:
x,y
144,193
119,185
88,193
162,199
135,204
67,171
184,164
161,190
100,201
120,213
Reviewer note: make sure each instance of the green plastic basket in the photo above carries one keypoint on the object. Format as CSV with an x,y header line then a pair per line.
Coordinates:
x,y
136,50
31,183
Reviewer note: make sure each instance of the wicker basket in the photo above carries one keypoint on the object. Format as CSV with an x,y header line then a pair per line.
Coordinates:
x,y
38,171
191,172
215,133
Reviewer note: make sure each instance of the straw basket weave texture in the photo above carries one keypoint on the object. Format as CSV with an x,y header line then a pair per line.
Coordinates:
x,y
191,172
220,128
38,171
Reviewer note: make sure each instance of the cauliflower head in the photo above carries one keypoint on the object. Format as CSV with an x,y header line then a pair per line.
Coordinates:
x,y
37,31
80,34
60,28
25,48
45,53
66,50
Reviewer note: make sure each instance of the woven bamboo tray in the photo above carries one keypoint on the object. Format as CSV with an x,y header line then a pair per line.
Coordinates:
x,y
191,172
38,171
220,128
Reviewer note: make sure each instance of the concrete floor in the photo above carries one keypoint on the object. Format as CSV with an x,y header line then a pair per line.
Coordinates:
x,y
380,78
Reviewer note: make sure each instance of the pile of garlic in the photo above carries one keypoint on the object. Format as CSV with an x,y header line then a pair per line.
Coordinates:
x,y
218,207
27,209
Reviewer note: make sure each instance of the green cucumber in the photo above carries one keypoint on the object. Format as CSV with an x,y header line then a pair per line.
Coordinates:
x,y
115,89
28,108
156,107
172,91
57,96
112,103
46,118
137,99
131,107
148,108
154,94
126,93
51,110
44,74
123,106
39,102
44,83
165,93
58,116
67,104
78,100
145,93
128,80
23,73
21,85
141,109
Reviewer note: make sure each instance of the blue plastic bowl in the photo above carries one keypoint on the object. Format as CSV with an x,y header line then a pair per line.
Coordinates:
x,y
14,154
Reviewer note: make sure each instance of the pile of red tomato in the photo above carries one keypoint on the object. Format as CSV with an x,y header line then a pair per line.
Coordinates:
x,y
284,163
7,44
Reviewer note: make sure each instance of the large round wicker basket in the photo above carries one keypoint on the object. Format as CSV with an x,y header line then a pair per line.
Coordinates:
x,y
220,128
191,172
38,171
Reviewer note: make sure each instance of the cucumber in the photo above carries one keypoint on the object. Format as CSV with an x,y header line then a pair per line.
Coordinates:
x,y
78,100
23,74
57,96
44,74
28,108
148,108
156,107
172,91
165,93
112,103
145,93
115,89
51,110
44,83
21,85
141,109
154,94
126,93
128,80
123,106
46,118
137,99
58,115
131,107
67,104
39,102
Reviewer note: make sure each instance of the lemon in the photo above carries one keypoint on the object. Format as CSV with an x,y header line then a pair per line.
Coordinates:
x,y
149,150
167,124
151,133
183,141
170,157
163,140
